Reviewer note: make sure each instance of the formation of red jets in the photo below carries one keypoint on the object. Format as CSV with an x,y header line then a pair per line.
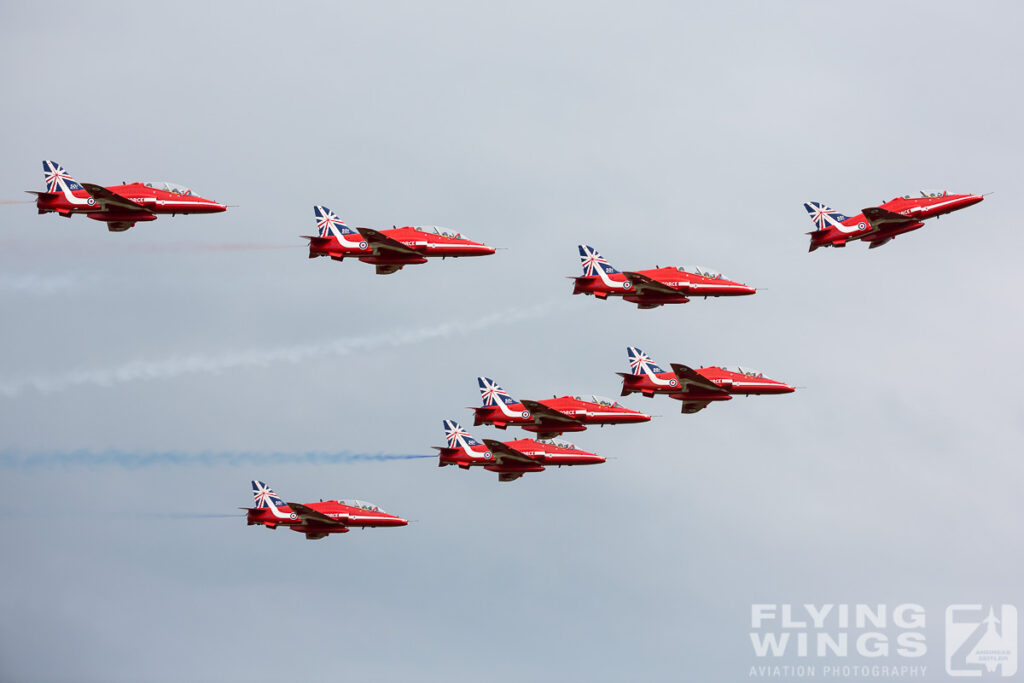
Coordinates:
x,y
122,206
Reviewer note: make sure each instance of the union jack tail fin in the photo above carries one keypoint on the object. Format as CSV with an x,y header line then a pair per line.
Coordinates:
x,y
491,393
640,363
460,448
58,180
823,217
458,438
329,225
592,261
264,496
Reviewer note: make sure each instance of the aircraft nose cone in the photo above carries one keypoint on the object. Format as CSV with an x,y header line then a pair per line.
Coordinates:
x,y
745,290
786,389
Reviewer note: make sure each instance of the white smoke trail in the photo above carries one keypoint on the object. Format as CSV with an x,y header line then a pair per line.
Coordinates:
x,y
39,284
201,364
139,460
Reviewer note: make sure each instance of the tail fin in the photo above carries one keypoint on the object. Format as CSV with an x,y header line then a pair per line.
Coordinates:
x,y
458,438
640,363
265,497
592,261
329,225
824,217
58,180
491,393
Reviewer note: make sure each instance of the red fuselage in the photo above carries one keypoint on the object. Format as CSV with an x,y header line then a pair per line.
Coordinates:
x,y
730,382
426,244
684,285
152,202
582,412
540,454
913,209
348,515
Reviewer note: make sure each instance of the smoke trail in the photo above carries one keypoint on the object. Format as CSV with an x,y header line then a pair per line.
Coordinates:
x,y
176,247
39,284
134,461
10,246
201,364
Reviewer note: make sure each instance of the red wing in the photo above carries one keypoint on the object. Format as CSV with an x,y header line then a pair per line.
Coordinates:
x,y
881,219
645,285
382,245
309,515
107,200
502,452
688,377
543,414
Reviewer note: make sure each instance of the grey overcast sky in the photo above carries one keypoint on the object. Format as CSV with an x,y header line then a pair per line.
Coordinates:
x,y
664,133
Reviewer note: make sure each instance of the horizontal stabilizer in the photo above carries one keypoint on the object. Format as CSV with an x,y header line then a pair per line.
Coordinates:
x,y
46,196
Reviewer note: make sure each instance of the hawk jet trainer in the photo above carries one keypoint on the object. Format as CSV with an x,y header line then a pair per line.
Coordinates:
x,y
389,250
552,416
652,288
695,388
510,459
316,520
119,206
877,225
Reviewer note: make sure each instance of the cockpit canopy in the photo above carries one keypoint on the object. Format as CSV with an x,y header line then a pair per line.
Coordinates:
x,y
362,504
702,271
559,443
744,371
443,232
169,187
600,400
927,194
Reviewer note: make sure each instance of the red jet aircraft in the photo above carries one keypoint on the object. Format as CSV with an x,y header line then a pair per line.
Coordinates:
x,y
389,250
316,520
119,206
695,388
877,225
510,459
552,416
652,288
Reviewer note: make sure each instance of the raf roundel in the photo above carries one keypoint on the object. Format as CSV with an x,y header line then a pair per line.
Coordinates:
x,y
362,245
487,455
627,284
526,413
672,382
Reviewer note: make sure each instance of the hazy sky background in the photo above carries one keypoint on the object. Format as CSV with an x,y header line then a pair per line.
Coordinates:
x,y
656,133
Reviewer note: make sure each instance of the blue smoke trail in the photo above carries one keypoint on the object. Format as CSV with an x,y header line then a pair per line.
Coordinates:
x,y
133,461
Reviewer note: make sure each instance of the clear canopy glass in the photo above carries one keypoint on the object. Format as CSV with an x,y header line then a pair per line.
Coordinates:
x,y
744,371
362,504
600,400
700,270
559,443
169,187
443,232
927,194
